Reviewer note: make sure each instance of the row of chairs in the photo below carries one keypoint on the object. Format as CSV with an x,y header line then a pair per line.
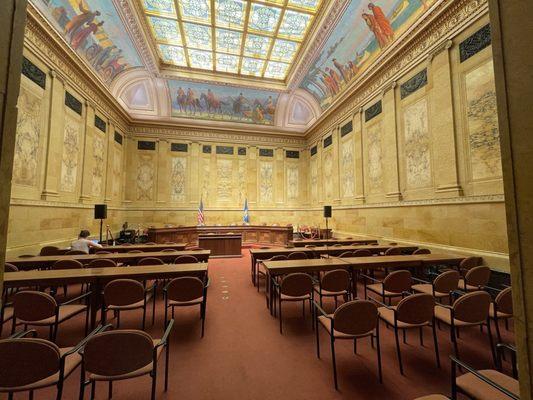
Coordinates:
x,y
414,311
54,250
28,363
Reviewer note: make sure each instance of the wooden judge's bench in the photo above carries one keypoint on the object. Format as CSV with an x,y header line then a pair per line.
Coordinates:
x,y
262,234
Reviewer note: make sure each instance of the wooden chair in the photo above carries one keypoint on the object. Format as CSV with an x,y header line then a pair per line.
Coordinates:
x,y
422,251
75,253
169,250
442,286
467,264
150,261
487,384
67,264
103,252
294,287
354,320
123,354
255,267
362,253
186,292
10,267
102,263
261,272
475,279
334,284
395,284
346,254
127,295
32,308
29,364
297,255
393,251
150,243
135,251
186,259
470,309
415,311
501,309
49,251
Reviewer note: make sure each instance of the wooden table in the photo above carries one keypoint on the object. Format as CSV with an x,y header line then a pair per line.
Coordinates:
x,y
141,247
98,277
48,261
226,245
264,234
324,242
276,268
315,252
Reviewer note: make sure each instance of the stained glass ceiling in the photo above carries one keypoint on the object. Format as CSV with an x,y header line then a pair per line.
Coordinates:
x,y
246,37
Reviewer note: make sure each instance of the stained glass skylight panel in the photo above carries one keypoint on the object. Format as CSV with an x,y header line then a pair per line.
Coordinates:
x,y
201,59
228,41
263,18
227,63
197,36
195,10
258,38
173,55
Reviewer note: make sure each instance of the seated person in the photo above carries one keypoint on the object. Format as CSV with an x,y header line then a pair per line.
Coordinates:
x,y
84,244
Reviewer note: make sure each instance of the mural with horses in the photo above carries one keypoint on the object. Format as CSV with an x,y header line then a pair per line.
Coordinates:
x,y
222,103
95,31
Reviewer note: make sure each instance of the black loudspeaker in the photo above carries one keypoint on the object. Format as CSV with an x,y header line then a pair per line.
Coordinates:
x,y
327,211
100,211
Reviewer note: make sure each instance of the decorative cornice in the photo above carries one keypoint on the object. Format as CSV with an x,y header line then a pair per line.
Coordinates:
x,y
131,22
442,24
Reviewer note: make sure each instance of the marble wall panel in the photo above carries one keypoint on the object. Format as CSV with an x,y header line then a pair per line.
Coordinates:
x,y
482,123
98,164
266,184
70,157
314,180
28,138
292,182
374,158
417,145
178,179
328,174
348,173
224,179
242,180
145,178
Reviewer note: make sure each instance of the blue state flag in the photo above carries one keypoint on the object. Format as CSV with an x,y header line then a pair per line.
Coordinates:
x,y
246,216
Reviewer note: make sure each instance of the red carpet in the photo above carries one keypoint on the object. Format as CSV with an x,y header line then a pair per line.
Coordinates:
x,y
243,356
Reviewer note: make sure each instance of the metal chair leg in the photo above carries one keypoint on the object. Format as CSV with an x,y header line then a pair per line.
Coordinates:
x,y
435,344
398,351
110,390
333,361
378,346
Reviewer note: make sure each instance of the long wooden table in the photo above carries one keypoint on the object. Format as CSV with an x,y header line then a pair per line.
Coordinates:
x,y
276,268
48,261
315,252
329,242
264,234
142,247
98,277
228,245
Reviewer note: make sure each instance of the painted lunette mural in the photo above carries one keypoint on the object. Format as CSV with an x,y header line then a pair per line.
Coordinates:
x,y
222,103
95,31
364,30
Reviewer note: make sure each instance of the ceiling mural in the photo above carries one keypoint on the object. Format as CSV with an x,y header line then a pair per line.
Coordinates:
x,y
244,37
364,30
222,103
95,31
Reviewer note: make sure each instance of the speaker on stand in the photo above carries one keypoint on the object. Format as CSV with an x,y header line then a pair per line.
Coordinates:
x,y
327,215
100,212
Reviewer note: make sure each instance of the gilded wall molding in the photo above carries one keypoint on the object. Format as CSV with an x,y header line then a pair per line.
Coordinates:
x,y
420,43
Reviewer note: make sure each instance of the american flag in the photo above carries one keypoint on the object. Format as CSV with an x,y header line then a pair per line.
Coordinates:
x,y
201,213
246,216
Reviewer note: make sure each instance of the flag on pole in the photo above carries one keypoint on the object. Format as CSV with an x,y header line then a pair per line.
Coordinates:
x,y
201,213
246,216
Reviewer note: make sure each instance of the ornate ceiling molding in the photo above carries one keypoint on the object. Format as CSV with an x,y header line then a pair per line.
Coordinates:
x,y
443,23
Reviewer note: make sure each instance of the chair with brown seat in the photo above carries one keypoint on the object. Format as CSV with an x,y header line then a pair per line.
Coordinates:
x,y
422,251
297,255
354,320
346,254
293,287
49,251
442,286
393,251
362,253
337,245
32,308
103,252
135,251
334,284
111,356
10,267
126,244
475,279
186,291
75,253
260,268
150,261
467,264
27,256
255,266
501,309
150,243
102,263
415,311
470,309
28,364
486,384
169,250
186,259
395,284
127,295
67,264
